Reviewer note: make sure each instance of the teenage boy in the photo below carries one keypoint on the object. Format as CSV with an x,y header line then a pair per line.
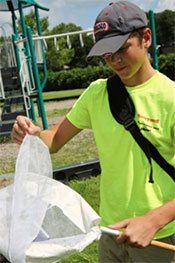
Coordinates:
x,y
144,210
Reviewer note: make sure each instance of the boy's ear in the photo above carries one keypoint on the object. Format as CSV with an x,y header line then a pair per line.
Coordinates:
x,y
147,38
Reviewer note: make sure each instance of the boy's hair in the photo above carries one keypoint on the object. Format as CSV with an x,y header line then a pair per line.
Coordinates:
x,y
138,33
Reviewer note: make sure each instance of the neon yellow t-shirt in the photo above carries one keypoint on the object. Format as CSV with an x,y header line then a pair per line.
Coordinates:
x,y
125,191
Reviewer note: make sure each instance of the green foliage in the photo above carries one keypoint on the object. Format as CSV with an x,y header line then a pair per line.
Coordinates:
x,y
30,20
76,78
5,139
60,55
62,28
165,27
81,77
74,57
56,59
167,65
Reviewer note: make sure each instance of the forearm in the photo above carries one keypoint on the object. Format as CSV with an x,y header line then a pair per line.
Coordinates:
x,y
48,137
163,214
59,135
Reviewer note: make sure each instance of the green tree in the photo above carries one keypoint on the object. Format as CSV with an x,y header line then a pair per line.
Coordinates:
x,y
59,55
56,59
165,27
77,57
30,20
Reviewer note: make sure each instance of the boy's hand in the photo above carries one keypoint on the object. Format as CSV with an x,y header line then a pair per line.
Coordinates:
x,y
139,231
21,127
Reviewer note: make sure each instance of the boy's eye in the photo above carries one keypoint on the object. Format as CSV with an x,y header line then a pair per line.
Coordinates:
x,y
123,48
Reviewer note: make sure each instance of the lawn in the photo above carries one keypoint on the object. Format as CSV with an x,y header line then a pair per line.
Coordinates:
x,y
62,94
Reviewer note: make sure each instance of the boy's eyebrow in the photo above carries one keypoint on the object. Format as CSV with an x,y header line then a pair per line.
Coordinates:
x,y
127,44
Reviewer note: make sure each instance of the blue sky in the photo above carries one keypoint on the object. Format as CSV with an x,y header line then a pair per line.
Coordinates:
x,y
84,12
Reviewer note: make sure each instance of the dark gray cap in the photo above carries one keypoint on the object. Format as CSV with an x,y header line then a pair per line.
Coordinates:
x,y
113,26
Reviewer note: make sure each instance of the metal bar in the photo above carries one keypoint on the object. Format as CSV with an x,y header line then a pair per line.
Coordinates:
x,y
64,34
2,93
154,42
77,171
37,78
42,49
27,53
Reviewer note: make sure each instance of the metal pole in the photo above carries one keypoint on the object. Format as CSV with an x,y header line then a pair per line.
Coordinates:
x,y
27,53
14,23
42,48
154,42
14,38
37,79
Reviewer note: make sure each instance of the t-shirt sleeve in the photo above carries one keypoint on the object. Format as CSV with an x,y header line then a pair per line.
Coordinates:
x,y
79,115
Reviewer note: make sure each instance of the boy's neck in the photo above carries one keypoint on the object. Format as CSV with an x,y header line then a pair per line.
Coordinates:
x,y
145,73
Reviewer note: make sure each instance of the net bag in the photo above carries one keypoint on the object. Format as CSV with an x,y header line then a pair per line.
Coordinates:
x,y
41,219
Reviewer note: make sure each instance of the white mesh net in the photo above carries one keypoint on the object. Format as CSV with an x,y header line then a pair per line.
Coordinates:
x,y
42,220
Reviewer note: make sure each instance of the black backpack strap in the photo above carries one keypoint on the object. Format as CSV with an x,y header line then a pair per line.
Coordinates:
x,y
123,111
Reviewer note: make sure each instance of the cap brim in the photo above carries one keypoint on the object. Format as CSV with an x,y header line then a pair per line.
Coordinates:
x,y
108,45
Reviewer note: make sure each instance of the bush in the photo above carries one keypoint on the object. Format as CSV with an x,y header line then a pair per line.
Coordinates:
x,y
76,78
81,77
167,65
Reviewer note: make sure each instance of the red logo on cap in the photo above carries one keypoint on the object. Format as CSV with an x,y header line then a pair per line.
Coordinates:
x,y
102,26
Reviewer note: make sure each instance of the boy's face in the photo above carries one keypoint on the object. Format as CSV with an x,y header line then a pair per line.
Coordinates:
x,y
130,60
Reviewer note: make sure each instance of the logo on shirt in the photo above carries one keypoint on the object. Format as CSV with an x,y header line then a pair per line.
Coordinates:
x,y
147,126
147,119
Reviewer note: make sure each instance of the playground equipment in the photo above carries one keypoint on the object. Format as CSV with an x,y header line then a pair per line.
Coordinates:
x,y
19,68
22,58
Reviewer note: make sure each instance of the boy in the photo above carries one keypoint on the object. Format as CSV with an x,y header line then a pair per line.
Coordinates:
x,y
143,209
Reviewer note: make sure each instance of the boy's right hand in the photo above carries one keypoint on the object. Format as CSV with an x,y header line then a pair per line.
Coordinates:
x,y
21,127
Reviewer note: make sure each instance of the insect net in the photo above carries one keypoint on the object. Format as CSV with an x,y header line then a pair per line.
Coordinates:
x,y
41,219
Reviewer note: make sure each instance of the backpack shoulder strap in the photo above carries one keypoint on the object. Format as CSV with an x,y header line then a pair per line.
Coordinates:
x,y
123,110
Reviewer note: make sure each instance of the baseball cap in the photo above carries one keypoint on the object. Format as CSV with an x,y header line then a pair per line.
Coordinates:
x,y
113,26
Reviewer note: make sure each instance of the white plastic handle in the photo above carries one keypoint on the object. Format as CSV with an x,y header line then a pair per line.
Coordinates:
x,y
109,231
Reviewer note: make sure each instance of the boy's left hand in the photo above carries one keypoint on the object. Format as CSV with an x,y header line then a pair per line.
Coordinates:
x,y
138,232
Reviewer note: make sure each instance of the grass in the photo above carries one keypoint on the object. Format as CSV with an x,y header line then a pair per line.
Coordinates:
x,y
5,139
80,148
62,94
89,190
57,112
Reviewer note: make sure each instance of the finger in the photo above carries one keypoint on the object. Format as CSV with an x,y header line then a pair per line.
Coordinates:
x,y
18,130
17,134
27,126
34,130
122,238
128,240
24,123
118,225
16,137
